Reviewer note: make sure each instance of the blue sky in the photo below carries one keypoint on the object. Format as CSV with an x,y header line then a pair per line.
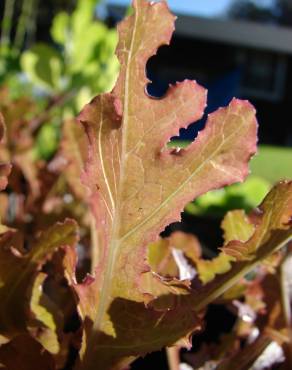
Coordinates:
x,y
205,8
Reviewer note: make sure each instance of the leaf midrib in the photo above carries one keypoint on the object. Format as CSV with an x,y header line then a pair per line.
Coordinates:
x,y
104,296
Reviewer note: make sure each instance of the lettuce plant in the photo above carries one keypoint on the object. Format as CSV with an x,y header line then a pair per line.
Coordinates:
x,y
111,189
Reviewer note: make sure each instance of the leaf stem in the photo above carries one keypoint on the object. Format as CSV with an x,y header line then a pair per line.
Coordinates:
x,y
173,358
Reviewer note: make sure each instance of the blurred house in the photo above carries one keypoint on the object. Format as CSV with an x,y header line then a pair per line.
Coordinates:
x,y
245,51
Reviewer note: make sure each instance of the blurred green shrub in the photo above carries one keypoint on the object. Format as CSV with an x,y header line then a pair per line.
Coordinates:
x,y
81,65
63,76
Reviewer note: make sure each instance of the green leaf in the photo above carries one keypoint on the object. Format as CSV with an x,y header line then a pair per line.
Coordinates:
x,y
237,226
43,66
86,41
94,69
47,140
274,214
83,15
60,30
83,33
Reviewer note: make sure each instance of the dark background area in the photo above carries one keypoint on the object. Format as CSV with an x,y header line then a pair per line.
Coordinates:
x,y
260,74
224,70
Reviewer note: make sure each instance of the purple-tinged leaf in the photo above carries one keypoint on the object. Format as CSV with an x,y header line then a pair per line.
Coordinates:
x,y
20,281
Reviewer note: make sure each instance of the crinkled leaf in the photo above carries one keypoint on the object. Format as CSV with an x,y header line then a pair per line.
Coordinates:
x,y
177,298
237,226
273,230
42,318
129,162
138,185
18,271
162,260
160,253
134,329
209,269
272,221
54,323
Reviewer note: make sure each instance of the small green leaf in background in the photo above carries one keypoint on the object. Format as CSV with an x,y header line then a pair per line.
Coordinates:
x,y
60,28
78,34
87,49
43,66
47,140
